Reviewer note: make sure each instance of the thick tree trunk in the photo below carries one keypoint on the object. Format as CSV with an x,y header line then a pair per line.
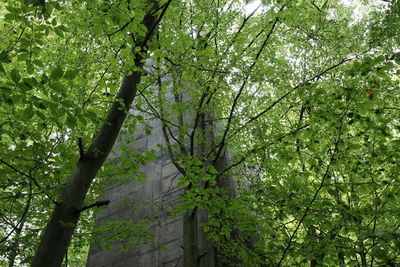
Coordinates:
x,y
198,250
60,228
190,240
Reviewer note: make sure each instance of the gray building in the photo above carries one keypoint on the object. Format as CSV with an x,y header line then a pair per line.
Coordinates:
x,y
151,200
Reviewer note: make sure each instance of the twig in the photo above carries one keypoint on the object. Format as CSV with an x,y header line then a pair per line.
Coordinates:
x,y
96,204
30,178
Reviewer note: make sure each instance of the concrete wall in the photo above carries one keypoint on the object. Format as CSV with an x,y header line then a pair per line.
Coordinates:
x,y
151,199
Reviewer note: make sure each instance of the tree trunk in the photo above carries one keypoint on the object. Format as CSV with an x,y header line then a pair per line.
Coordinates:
x,y
59,230
190,240
363,259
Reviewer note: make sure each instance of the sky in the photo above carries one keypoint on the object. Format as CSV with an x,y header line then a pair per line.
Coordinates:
x,y
358,8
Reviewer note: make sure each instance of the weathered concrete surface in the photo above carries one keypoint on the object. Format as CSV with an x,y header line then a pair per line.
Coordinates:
x,y
151,199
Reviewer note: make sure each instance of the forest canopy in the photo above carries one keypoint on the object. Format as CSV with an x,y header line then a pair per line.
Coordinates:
x,y
302,95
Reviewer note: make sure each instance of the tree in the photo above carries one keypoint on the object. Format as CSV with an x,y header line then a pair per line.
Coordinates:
x,y
303,96
59,230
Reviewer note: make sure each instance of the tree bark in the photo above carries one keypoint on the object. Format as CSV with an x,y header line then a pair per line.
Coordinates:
x,y
59,230
190,239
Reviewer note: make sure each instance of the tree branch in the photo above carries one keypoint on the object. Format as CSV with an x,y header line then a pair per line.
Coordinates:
x,y
96,204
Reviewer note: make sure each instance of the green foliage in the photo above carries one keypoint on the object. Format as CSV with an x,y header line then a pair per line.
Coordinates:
x,y
303,94
126,233
55,84
307,118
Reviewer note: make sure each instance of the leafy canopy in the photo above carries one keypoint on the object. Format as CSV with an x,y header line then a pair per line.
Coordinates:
x,y
305,95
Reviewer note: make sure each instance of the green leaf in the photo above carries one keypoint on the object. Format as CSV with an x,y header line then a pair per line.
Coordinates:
x,y
28,112
12,9
82,119
30,68
71,121
70,74
4,57
183,181
58,86
57,73
56,111
37,62
91,115
49,7
147,130
62,28
10,17
15,76
58,32
23,56
25,86
31,81
142,30
41,115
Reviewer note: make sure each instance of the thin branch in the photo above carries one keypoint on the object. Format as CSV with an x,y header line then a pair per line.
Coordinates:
x,y
245,20
97,85
252,119
252,151
203,97
96,204
236,99
21,220
331,161
30,177
153,27
164,130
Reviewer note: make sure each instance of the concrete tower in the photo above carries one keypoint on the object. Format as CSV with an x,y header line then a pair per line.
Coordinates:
x,y
152,200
